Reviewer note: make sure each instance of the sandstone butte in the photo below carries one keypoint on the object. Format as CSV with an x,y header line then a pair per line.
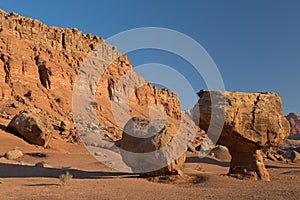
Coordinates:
x,y
38,67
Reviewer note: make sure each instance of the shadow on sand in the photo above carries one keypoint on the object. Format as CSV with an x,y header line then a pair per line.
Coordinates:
x,y
208,161
291,166
21,171
3,128
39,185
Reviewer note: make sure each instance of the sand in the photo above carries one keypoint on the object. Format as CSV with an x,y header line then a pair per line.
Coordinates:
x,y
204,178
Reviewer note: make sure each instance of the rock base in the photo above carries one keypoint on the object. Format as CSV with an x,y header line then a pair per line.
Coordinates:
x,y
248,165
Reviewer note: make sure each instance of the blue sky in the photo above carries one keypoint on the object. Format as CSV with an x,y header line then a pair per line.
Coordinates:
x,y
255,44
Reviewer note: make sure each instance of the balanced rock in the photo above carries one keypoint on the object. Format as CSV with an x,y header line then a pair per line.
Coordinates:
x,y
33,126
152,148
251,121
14,154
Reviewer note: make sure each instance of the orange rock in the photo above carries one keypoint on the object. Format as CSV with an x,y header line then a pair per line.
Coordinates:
x,y
251,121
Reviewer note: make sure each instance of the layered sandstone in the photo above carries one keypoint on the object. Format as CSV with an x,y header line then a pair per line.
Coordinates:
x,y
294,122
38,68
251,121
38,65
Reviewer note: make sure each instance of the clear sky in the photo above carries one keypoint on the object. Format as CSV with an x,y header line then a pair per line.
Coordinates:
x,y
255,44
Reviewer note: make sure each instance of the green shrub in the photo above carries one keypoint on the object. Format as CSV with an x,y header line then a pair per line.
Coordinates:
x,y
64,178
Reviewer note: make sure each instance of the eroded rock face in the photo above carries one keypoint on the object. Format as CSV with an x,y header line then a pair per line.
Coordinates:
x,y
160,147
251,121
33,126
38,65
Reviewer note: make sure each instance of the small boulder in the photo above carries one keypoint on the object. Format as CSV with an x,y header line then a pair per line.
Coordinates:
x,y
295,157
33,126
42,165
221,153
271,156
275,155
14,154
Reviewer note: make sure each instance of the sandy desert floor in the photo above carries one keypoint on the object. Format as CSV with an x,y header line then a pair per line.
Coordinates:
x,y
20,179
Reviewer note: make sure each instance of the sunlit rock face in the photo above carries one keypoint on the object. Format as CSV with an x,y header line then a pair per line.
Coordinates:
x,y
251,121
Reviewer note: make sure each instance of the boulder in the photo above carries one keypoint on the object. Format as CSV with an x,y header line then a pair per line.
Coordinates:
x,y
275,155
14,154
32,125
271,156
221,153
295,157
42,165
251,121
152,148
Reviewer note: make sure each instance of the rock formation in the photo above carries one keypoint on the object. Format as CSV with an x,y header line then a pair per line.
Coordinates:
x,y
38,65
251,121
294,122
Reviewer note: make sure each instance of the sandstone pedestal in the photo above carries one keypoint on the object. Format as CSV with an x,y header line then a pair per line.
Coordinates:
x,y
247,163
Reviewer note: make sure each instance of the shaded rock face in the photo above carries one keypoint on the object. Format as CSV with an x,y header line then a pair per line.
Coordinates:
x,y
251,121
33,126
160,149
294,121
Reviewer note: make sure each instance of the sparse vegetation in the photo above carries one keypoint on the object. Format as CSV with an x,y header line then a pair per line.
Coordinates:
x,y
64,178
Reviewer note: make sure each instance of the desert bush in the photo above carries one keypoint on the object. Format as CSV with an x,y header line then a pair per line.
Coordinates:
x,y
64,178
